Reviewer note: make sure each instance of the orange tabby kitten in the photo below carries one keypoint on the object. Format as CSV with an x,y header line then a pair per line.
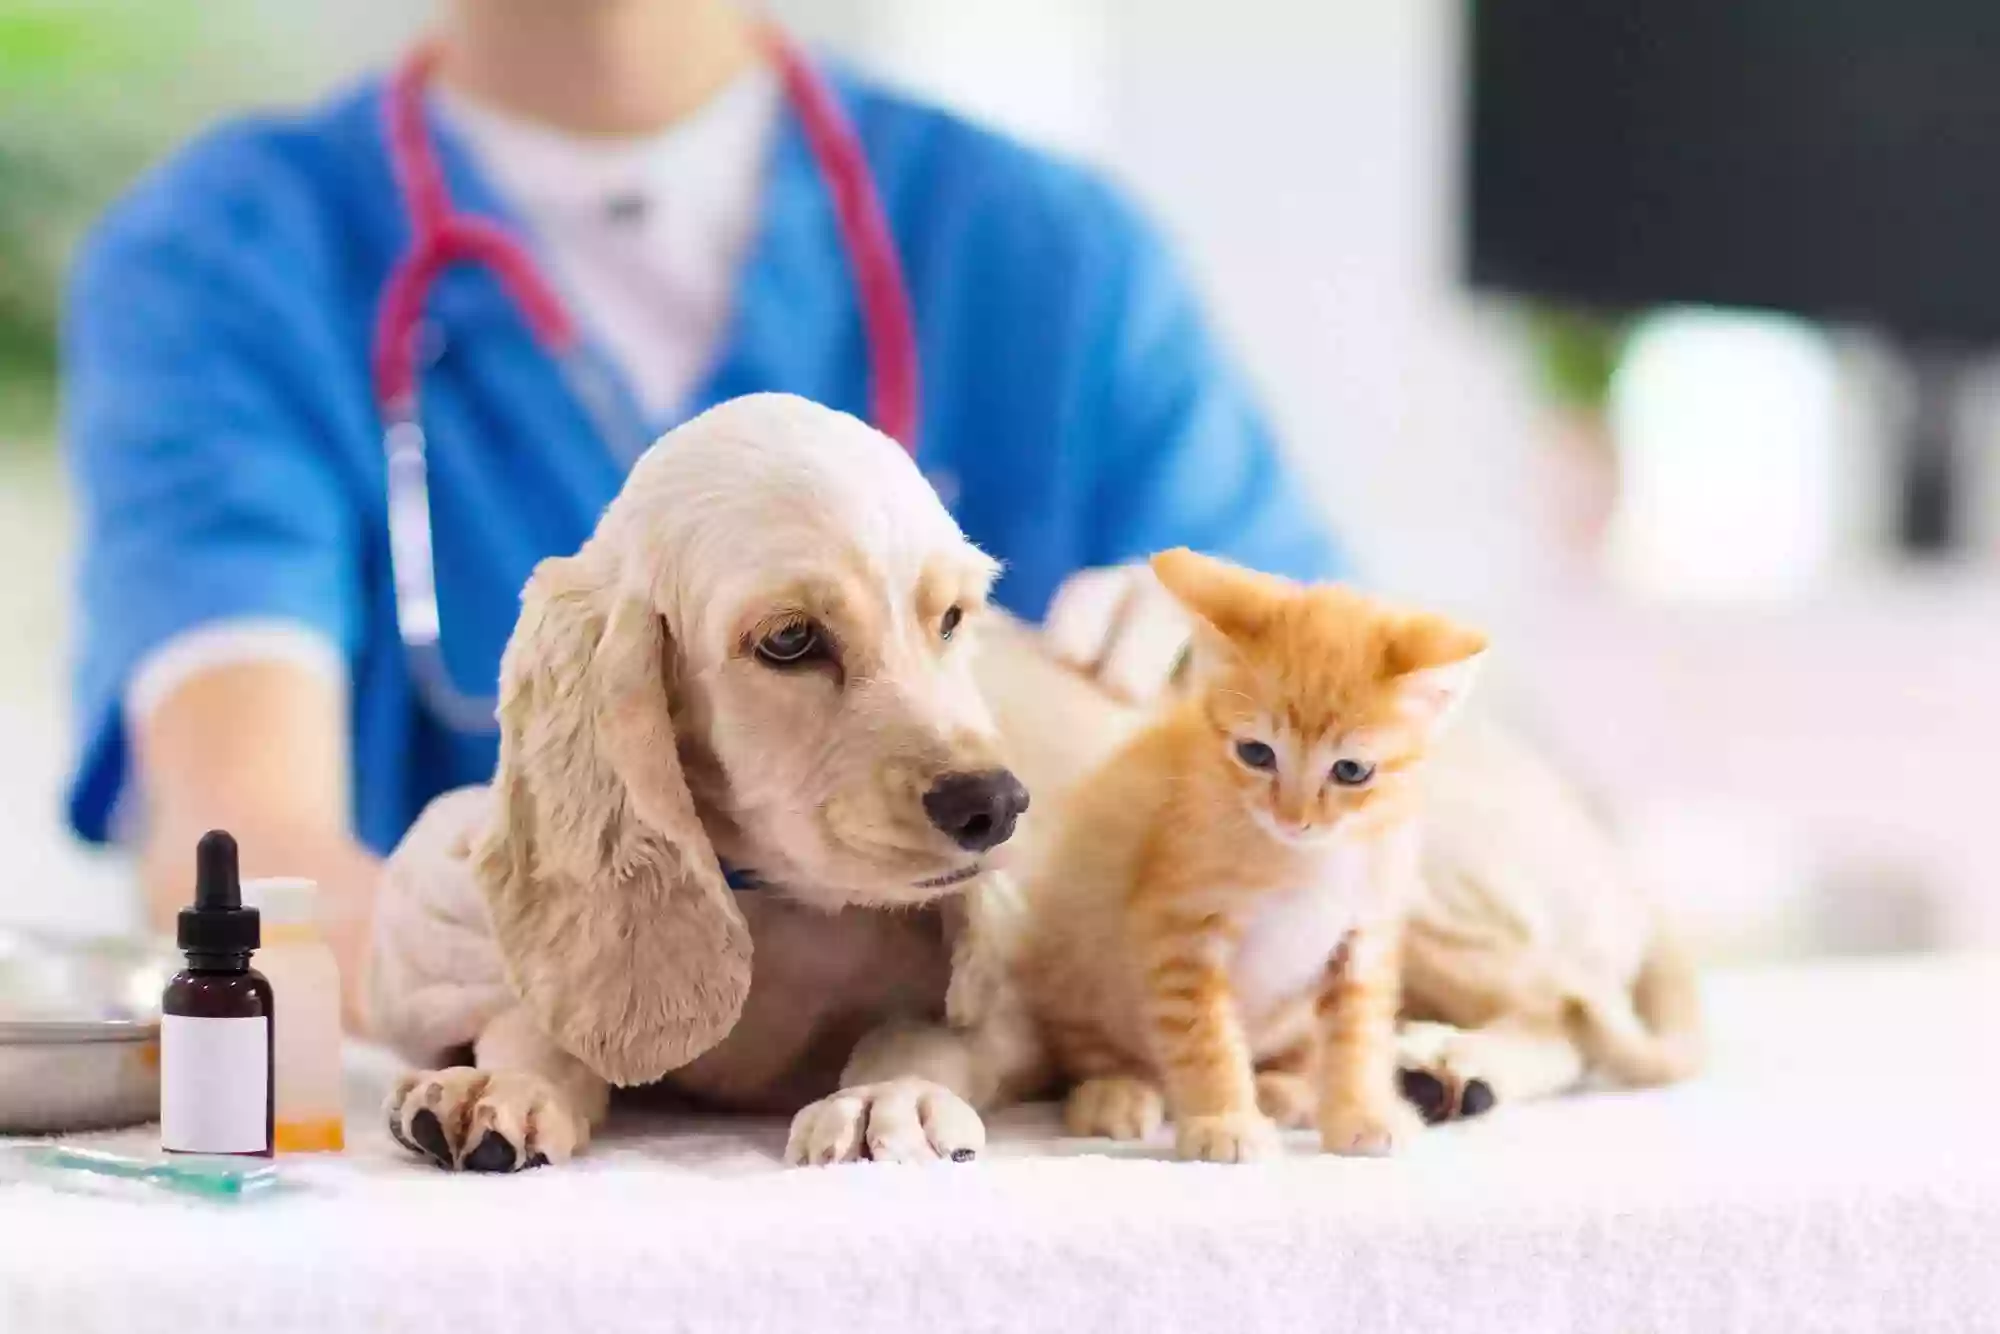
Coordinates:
x,y
1216,932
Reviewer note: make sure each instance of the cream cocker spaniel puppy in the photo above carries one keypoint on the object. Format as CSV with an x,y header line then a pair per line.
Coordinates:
x,y
743,831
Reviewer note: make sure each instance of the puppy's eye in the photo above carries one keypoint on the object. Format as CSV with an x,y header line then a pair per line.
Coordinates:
x,y
793,644
1352,773
950,622
1256,755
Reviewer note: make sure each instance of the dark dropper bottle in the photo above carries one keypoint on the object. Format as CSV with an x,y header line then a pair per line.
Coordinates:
x,y
216,1040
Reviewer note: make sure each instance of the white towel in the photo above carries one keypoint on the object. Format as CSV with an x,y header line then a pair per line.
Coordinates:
x,y
1837,1171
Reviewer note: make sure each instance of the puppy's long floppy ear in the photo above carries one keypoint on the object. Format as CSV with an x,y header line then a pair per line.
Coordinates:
x,y
606,898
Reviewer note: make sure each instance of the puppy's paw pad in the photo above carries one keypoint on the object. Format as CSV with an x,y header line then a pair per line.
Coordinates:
x,y
1441,1073
429,1137
426,1111
898,1121
1434,1100
1114,1108
1232,1138
470,1120
493,1153
1287,1099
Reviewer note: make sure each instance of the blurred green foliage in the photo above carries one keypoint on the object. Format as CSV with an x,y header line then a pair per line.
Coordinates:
x,y
1577,353
90,91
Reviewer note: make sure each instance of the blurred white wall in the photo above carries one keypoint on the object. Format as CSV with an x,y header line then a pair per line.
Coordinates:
x,y
1305,153
1303,156
49,882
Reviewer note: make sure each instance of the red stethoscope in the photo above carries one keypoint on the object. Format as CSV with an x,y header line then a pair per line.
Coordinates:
x,y
441,237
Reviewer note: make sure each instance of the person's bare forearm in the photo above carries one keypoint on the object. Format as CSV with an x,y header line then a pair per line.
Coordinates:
x,y
259,749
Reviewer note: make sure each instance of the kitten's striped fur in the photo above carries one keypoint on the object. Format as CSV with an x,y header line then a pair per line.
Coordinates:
x,y
1216,933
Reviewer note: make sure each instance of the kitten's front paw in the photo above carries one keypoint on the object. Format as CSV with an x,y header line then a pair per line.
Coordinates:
x,y
1372,1129
1237,1137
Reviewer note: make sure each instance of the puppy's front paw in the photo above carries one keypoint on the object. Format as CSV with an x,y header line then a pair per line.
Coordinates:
x,y
898,1121
1235,1137
1441,1073
1118,1107
1374,1128
471,1120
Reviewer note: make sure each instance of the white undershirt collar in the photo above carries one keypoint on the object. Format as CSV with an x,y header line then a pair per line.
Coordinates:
x,y
643,235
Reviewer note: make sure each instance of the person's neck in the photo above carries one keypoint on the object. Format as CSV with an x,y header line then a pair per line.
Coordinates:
x,y
606,67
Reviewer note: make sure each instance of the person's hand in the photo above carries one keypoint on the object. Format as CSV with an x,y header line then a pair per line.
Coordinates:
x,y
1119,626
259,748
350,879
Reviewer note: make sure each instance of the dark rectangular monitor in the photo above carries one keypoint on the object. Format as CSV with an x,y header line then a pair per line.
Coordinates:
x,y
1835,158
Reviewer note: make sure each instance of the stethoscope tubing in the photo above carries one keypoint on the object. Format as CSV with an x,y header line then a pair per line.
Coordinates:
x,y
441,237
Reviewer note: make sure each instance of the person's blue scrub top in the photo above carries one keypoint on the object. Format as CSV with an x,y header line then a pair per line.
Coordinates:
x,y
227,446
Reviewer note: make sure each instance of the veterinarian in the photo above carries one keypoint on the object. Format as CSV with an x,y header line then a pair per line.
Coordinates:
x,y
335,382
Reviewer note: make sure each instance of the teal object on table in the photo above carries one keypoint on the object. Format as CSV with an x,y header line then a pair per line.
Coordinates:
x,y
212,1178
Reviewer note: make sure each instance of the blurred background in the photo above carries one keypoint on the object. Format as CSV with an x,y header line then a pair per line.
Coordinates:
x,y
1648,343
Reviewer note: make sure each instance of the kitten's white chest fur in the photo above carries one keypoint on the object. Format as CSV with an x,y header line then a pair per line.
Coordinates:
x,y
1293,932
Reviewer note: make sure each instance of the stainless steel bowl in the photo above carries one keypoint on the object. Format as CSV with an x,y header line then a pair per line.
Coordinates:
x,y
79,1032
60,1077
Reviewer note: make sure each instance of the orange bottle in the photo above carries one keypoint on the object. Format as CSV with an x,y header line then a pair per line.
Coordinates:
x,y
296,960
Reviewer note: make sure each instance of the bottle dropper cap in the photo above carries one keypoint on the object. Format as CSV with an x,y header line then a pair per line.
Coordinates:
x,y
218,923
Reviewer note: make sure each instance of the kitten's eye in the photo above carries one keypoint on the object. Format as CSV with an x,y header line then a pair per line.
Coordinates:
x,y
793,644
950,622
1256,755
1352,773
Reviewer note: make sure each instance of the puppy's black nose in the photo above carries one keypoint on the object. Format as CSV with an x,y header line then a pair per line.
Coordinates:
x,y
977,810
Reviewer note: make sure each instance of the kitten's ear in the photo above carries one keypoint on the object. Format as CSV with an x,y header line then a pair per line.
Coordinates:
x,y
1233,602
1434,663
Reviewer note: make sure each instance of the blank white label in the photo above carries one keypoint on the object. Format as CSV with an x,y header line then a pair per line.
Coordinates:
x,y
214,1084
